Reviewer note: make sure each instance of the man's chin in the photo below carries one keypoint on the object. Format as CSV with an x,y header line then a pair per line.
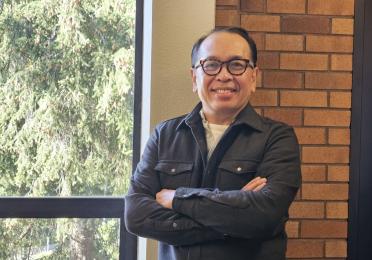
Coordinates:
x,y
227,110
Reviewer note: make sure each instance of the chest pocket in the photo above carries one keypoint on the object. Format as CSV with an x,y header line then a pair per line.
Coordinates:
x,y
233,175
174,174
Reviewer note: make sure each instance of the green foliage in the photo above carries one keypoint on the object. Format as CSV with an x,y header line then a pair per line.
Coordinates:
x,y
66,101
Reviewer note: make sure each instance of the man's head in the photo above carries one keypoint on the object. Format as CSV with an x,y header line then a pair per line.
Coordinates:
x,y
236,30
224,72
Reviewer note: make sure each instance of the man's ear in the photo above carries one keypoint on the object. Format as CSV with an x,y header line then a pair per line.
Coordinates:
x,y
254,77
193,79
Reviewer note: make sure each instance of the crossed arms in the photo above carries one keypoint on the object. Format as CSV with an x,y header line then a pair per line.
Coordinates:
x,y
165,196
188,216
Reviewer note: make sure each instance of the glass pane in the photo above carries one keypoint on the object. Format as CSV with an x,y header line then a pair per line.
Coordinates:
x,y
66,97
59,239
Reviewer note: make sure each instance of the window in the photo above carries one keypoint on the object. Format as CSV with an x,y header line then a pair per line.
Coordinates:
x,y
66,126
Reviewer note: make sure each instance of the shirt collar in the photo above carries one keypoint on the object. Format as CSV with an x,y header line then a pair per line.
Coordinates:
x,y
248,116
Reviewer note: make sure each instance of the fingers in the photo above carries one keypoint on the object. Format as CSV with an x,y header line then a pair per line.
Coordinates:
x,y
165,197
250,185
255,184
259,186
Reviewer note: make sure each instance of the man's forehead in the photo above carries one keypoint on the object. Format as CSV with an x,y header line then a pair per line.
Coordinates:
x,y
219,43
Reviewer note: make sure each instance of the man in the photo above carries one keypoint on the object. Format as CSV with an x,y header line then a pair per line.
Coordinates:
x,y
218,182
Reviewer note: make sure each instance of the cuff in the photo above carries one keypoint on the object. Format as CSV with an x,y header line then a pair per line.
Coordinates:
x,y
182,202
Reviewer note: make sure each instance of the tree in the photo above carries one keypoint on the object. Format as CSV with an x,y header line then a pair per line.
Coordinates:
x,y
66,102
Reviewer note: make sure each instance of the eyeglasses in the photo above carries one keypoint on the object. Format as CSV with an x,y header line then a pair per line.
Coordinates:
x,y
235,67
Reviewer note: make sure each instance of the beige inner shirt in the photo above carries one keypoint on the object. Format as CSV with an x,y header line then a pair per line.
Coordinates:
x,y
213,133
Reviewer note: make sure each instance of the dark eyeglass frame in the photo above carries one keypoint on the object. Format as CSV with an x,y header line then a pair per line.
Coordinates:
x,y
248,63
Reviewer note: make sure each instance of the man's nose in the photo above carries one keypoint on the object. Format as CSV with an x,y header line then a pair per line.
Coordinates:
x,y
224,74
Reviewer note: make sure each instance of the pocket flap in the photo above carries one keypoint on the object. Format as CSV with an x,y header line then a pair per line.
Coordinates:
x,y
173,167
239,167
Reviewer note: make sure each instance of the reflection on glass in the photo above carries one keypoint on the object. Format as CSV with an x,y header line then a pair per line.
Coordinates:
x,y
59,239
66,97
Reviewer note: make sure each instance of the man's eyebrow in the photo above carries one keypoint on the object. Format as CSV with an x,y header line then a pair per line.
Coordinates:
x,y
211,58
236,57
230,58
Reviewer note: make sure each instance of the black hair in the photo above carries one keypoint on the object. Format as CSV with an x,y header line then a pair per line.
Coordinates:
x,y
237,30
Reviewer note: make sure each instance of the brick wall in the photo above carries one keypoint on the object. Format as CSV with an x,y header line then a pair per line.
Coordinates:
x,y
305,56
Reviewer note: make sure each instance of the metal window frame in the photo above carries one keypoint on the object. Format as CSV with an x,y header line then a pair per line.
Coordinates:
x,y
92,206
360,187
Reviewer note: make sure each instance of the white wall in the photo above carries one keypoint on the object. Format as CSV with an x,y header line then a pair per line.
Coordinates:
x,y
171,28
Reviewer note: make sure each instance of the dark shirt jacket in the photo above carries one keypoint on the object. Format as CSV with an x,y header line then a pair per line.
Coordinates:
x,y
211,217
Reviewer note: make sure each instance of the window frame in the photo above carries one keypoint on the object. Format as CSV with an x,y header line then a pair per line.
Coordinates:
x,y
360,187
91,206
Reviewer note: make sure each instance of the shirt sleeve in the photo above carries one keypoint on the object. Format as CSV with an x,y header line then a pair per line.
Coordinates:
x,y
147,218
249,214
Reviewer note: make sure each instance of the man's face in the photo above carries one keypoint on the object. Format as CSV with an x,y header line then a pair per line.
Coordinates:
x,y
223,95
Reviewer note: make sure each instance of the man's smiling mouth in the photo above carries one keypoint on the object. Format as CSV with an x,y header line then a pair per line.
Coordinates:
x,y
224,90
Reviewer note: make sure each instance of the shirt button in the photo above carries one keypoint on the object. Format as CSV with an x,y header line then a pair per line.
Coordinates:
x,y
239,169
174,225
173,170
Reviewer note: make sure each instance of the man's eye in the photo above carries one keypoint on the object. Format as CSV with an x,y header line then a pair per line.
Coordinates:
x,y
211,65
236,65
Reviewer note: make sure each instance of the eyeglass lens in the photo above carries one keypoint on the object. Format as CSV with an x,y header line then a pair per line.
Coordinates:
x,y
235,67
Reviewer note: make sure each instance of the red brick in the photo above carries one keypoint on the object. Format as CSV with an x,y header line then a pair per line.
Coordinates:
x,y
328,80
324,191
305,24
305,210
304,248
227,18
286,6
342,26
338,173
259,39
227,2
268,60
321,43
292,228
294,61
283,42
313,173
336,248
339,136
322,154
331,7
298,194
282,79
305,98
265,98
290,116
323,229
337,210
340,99
310,135
262,23
342,62
252,6
326,117
259,79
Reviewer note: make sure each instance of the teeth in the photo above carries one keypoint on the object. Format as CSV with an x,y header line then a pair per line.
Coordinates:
x,y
223,90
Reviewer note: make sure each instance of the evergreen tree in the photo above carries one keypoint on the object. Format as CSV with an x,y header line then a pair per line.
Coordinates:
x,y
66,115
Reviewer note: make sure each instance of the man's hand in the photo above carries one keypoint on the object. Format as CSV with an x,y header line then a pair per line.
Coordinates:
x,y
165,198
255,185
